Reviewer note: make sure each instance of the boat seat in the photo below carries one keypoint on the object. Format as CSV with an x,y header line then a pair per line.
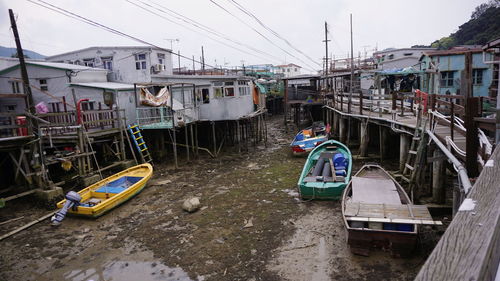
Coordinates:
x,y
118,185
111,189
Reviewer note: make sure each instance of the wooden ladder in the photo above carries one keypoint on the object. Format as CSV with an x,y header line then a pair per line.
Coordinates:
x,y
416,157
140,143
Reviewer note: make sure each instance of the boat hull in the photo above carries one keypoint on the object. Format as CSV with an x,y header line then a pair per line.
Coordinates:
x,y
323,190
399,244
361,240
109,198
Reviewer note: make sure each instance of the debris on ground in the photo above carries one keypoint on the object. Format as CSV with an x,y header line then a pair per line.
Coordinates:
x,y
191,204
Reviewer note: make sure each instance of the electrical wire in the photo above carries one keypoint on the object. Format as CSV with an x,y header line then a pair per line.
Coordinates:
x,y
262,35
252,15
206,28
70,14
169,20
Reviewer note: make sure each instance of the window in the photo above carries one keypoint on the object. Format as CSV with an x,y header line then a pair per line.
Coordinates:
x,y
288,70
295,69
407,54
243,89
229,91
15,86
88,62
88,105
477,76
161,59
447,79
10,107
205,95
217,92
107,63
43,85
391,56
229,83
140,61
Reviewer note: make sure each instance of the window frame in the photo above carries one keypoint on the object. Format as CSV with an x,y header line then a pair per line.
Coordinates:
x,y
16,87
477,74
43,86
447,79
140,61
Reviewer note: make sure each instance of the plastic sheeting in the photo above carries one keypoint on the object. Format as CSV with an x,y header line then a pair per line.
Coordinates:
x,y
162,99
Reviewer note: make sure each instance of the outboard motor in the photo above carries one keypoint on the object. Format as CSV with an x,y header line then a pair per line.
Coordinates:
x,y
72,199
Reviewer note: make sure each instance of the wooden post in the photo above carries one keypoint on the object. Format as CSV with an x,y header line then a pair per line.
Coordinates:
x,y
452,119
174,146
214,139
471,137
187,141
438,177
404,147
342,129
360,102
382,140
364,138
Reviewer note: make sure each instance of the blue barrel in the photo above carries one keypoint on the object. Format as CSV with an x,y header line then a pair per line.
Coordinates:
x,y
339,161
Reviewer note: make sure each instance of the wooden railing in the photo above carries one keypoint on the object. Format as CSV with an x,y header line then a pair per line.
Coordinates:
x,y
13,125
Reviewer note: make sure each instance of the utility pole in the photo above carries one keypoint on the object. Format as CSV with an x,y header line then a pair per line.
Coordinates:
x,y
194,69
326,48
37,150
202,60
179,60
352,74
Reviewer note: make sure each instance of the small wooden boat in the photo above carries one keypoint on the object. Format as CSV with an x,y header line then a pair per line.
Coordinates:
x,y
308,138
110,192
378,213
327,171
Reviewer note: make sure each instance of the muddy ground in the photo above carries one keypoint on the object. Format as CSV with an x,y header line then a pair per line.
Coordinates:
x,y
251,227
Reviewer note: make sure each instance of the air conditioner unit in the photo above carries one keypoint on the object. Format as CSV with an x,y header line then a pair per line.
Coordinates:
x,y
158,68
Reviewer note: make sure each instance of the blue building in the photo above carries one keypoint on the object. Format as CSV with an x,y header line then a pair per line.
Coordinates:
x,y
444,71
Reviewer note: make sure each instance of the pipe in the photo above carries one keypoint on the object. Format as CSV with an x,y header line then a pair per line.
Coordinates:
x,y
79,111
462,172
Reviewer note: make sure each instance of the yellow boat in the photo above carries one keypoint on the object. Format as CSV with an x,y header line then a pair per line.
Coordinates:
x,y
110,192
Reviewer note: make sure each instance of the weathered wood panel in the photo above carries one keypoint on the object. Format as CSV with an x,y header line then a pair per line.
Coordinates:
x,y
470,247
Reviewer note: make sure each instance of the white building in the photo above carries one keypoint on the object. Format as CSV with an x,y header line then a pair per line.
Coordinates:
x,y
287,70
398,58
217,97
125,64
54,85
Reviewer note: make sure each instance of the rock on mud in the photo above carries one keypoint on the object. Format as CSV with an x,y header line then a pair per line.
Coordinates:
x,y
191,204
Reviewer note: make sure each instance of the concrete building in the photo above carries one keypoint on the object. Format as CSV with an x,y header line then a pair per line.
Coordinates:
x,y
398,58
444,71
136,64
55,83
287,70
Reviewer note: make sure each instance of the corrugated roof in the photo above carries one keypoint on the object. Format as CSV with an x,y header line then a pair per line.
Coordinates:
x,y
109,47
66,66
453,52
105,85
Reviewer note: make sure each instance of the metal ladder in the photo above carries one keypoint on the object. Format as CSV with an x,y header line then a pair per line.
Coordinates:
x,y
140,143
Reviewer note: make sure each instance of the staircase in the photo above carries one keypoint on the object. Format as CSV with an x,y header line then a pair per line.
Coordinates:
x,y
140,143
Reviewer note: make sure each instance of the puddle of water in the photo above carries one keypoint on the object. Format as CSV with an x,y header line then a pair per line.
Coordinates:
x,y
128,270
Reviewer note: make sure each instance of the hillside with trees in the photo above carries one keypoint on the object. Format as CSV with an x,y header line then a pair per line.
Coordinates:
x,y
483,27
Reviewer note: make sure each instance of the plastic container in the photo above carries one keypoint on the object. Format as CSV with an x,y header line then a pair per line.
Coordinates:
x,y
389,226
404,227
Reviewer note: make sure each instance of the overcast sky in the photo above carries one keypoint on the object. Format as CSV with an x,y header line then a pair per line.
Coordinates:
x,y
381,24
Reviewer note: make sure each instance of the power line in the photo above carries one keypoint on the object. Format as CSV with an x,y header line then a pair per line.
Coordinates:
x,y
262,35
246,11
96,24
208,29
169,20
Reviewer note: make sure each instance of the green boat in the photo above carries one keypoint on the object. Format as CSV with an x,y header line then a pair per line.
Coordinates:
x,y
327,171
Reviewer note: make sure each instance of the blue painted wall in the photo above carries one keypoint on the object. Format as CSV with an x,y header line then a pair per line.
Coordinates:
x,y
456,64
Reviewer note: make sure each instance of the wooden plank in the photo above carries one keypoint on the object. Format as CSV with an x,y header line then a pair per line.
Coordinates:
x,y
470,247
406,221
405,211
370,190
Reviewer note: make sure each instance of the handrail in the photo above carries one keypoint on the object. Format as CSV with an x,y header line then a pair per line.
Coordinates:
x,y
462,172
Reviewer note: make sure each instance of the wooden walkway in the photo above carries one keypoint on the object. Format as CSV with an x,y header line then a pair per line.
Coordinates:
x,y
408,120
470,247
